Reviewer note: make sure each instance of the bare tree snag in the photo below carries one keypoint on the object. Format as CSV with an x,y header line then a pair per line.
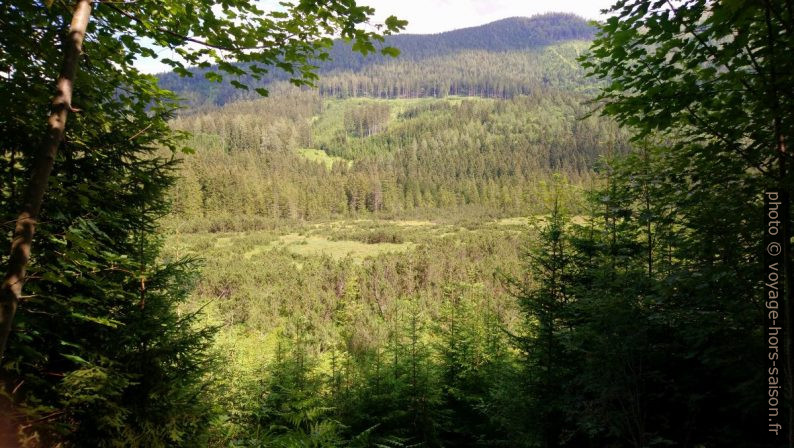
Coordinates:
x,y
40,172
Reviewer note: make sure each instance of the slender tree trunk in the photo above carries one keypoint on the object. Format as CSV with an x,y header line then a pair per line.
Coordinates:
x,y
647,196
45,158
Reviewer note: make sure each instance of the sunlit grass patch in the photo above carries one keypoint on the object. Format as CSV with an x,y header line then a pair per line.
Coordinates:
x,y
514,221
410,223
537,220
313,245
318,156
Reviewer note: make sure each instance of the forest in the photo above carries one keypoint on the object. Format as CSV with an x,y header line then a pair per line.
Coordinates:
x,y
539,232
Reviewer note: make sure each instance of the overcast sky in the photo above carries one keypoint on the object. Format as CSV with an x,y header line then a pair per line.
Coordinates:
x,y
436,16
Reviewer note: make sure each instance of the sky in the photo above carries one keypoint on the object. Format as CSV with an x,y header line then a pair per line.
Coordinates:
x,y
437,16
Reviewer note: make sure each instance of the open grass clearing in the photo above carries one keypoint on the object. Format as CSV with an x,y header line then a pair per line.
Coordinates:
x,y
319,156
313,245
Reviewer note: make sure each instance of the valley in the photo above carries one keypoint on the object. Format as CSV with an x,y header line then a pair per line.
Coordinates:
x,y
319,231
398,193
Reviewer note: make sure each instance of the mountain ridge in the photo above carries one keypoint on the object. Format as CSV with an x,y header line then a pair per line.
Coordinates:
x,y
512,33
509,35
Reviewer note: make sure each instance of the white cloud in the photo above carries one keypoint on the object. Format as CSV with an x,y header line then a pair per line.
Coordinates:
x,y
435,16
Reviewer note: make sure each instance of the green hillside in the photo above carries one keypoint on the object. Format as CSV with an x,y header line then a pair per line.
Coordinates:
x,y
502,59
399,158
534,233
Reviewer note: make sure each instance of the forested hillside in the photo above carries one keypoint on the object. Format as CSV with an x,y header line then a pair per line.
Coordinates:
x,y
354,232
501,59
300,157
465,122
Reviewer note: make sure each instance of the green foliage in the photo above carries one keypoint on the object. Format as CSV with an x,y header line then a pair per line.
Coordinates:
x,y
236,38
450,157
546,361
365,338
100,356
295,410
476,369
709,81
713,73
641,341
501,59
340,324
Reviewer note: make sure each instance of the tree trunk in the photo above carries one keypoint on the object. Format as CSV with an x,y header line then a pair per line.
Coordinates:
x,y
40,173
